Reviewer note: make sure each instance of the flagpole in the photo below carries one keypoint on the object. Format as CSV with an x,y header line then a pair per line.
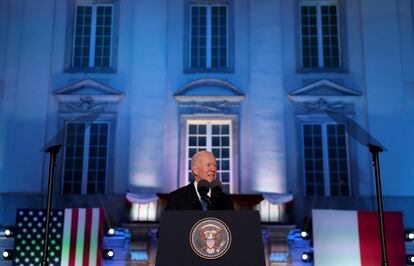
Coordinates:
x,y
53,150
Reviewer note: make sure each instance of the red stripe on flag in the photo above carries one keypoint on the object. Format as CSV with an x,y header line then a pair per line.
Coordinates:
x,y
100,236
87,242
73,233
370,241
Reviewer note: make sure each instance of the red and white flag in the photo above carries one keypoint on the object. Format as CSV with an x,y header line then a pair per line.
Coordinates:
x,y
82,237
352,238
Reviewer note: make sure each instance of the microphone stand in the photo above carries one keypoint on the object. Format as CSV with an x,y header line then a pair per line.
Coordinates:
x,y
375,150
53,150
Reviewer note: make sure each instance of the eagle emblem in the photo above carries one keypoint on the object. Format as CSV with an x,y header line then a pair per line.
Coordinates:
x,y
210,238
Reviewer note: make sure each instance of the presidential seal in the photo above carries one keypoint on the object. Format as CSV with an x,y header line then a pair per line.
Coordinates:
x,y
210,238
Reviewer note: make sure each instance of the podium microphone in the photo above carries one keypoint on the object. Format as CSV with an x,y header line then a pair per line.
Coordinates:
x,y
216,187
203,187
216,194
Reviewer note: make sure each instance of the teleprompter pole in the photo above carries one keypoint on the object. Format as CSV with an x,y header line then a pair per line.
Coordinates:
x,y
375,150
53,150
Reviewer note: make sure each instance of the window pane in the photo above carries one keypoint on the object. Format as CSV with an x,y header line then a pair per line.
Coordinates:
x,y
103,37
202,141
192,152
208,33
312,140
76,188
214,137
198,36
216,153
192,141
73,166
192,129
225,177
215,129
318,172
334,190
310,190
225,141
225,129
74,161
219,34
85,37
82,36
309,35
320,36
320,190
330,36
225,165
216,141
225,153
338,161
98,161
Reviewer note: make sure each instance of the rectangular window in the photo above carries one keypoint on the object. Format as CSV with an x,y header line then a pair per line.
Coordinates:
x,y
86,158
92,43
320,35
325,160
209,37
214,136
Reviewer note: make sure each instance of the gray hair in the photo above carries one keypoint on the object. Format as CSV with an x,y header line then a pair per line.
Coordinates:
x,y
194,159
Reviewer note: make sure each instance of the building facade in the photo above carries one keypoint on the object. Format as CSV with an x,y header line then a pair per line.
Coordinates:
x,y
250,81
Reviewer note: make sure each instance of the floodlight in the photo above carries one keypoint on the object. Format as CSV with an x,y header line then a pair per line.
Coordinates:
x,y
306,256
108,254
7,254
409,235
110,232
7,231
304,234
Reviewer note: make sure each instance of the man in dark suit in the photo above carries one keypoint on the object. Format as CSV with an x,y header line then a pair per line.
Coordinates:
x,y
203,167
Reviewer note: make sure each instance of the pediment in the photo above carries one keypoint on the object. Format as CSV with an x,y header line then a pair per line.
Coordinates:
x,y
324,87
87,87
87,93
210,89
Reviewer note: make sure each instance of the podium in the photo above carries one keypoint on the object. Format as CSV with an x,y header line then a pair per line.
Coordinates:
x,y
220,238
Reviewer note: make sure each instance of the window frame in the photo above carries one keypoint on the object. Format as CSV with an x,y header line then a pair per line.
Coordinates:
x,y
234,164
324,122
85,157
340,5
70,36
92,42
209,146
187,37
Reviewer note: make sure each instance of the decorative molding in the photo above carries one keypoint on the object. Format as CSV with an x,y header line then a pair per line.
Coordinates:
x,y
209,90
76,86
85,104
322,105
219,99
84,93
220,107
323,87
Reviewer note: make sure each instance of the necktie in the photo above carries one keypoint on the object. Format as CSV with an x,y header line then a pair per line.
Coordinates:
x,y
204,203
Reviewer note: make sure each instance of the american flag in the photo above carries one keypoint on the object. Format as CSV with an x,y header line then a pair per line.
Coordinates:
x,y
75,237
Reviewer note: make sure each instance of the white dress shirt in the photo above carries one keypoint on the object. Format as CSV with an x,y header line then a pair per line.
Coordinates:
x,y
198,194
